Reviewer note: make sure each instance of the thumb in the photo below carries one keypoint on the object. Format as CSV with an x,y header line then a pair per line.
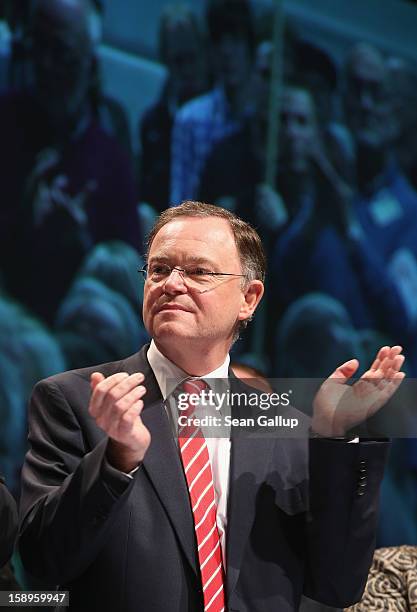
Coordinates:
x,y
345,371
95,378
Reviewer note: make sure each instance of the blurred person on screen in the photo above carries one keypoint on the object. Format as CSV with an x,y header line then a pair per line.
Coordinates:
x,y
65,183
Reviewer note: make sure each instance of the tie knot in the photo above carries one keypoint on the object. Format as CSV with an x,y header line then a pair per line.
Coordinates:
x,y
194,385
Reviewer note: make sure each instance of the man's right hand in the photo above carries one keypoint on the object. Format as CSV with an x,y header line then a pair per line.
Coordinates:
x,y
116,404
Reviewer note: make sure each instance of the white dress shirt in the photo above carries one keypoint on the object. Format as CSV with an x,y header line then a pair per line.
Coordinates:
x,y
168,377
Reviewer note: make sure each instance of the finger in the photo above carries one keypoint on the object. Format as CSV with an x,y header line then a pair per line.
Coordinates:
x,y
385,358
393,385
115,409
123,387
372,376
132,415
387,388
393,352
110,420
122,427
108,397
345,371
118,402
110,381
95,378
383,384
125,402
382,354
387,369
101,387
398,378
396,350
396,365
391,365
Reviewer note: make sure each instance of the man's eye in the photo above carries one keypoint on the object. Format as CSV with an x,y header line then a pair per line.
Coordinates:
x,y
198,272
159,269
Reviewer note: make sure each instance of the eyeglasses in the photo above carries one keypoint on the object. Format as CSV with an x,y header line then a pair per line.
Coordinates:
x,y
193,276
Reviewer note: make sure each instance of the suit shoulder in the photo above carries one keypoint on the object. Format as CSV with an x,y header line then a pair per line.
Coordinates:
x,y
81,376
70,376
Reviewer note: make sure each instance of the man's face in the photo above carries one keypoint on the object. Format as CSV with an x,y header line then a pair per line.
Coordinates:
x,y
367,99
62,58
298,129
262,75
232,60
183,57
174,313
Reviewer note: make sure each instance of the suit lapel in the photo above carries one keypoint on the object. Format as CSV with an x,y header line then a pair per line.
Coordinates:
x,y
162,462
249,460
163,465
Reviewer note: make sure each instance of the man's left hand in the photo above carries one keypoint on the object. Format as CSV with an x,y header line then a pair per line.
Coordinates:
x,y
339,406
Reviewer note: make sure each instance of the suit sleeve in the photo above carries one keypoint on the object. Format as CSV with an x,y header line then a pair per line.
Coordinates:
x,y
342,520
8,524
70,494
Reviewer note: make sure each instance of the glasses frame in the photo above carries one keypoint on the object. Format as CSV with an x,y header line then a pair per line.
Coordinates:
x,y
144,272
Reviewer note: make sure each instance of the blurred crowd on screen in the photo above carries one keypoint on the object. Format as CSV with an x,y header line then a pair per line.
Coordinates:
x,y
338,220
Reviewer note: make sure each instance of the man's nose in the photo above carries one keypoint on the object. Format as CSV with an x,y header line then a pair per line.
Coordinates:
x,y
175,282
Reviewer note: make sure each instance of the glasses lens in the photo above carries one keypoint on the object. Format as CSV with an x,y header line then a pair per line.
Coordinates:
x,y
158,272
194,277
199,278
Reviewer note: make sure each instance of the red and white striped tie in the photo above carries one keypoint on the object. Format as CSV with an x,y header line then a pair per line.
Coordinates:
x,y
196,463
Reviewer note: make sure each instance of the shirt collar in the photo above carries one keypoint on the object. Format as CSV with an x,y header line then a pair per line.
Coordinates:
x,y
169,376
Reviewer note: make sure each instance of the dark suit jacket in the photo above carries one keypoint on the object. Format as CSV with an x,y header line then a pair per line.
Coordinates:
x,y
129,545
8,523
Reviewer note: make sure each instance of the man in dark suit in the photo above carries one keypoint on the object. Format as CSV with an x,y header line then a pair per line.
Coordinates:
x,y
8,523
109,509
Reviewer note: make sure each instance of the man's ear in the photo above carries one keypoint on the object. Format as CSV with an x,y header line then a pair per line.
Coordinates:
x,y
252,295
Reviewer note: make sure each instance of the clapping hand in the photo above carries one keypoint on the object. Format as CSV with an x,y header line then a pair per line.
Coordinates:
x,y
116,404
339,406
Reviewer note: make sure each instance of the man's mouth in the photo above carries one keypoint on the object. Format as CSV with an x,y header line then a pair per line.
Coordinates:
x,y
172,307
